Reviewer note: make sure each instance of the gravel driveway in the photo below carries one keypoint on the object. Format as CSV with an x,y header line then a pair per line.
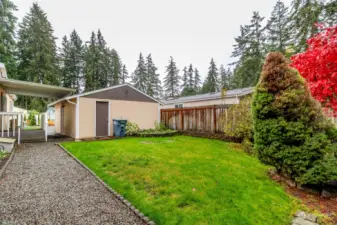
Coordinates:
x,y
43,185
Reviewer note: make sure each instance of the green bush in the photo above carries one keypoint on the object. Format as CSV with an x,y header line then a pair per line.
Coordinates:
x,y
31,117
290,130
131,128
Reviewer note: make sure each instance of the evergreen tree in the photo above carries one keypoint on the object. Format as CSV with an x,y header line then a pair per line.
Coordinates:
x,y
91,72
211,81
139,77
154,88
184,79
197,80
172,79
250,49
330,12
190,77
103,61
116,68
125,74
278,30
7,36
37,52
304,16
72,61
225,76
188,88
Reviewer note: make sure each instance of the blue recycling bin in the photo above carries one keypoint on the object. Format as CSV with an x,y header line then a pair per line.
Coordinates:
x,y
119,127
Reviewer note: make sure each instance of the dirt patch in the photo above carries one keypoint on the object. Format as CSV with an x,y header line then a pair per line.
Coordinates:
x,y
326,206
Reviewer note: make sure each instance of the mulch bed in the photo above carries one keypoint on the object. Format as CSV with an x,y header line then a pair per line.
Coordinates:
x,y
217,136
4,160
313,201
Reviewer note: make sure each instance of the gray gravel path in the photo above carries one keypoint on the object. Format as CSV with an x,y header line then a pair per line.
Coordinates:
x,y
43,185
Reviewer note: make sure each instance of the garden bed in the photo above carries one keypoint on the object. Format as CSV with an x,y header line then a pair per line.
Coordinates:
x,y
186,180
3,158
217,136
156,133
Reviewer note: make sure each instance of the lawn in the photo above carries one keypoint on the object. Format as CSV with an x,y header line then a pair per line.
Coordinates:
x,y
186,180
32,127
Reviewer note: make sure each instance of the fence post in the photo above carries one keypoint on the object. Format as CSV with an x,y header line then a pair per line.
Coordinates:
x,y
214,119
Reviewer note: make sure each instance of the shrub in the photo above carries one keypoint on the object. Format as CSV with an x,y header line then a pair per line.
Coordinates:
x,y
31,117
131,128
290,130
160,126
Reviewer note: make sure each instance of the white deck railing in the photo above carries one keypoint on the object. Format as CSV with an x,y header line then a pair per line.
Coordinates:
x,y
6,118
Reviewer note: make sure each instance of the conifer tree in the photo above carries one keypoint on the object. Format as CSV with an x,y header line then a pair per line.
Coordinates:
x,y
65,60
37,53
172,79
102,61
91,73
124,75
304,16
330,12
190,77
154,88
197,80
7,36
139,77
116,68
211,81
225,76
278,30
184,79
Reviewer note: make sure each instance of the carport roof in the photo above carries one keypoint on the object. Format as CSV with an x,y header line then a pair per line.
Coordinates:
x,y
26,88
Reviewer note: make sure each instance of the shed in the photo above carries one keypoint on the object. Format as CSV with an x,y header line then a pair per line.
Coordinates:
x,y
90,114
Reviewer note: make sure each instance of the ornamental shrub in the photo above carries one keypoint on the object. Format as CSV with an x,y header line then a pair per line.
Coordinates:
x,y
131,128
290,130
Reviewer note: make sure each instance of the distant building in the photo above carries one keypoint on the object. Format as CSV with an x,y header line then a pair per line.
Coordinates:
x,y
229,97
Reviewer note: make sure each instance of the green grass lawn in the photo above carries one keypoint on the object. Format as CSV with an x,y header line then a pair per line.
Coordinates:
x,y
32,127
186,180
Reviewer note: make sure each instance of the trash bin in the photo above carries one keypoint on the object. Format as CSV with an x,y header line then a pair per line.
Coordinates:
x,y
119,127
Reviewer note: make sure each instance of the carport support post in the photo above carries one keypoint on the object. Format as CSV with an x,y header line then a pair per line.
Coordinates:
x,y
77,122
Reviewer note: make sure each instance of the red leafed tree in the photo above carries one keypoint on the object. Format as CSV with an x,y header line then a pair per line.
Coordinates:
x,y
318,65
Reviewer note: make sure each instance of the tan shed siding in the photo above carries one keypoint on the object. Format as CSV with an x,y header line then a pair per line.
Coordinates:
x,y
145,114
87,117
69,119
58,118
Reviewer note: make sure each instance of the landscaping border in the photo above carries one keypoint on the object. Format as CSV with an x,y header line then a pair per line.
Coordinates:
x,y
216,136
116,194
2,170
154,134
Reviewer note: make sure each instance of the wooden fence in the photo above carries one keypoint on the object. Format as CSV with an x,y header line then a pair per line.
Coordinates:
x,y
201,119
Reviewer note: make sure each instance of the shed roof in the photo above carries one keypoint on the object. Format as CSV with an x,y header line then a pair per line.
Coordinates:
x,y
210,96
90,93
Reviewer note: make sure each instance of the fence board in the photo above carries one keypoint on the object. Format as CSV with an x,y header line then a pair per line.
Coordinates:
x,y
204,119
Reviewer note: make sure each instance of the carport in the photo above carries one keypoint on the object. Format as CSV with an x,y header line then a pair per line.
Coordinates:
x,y
25,88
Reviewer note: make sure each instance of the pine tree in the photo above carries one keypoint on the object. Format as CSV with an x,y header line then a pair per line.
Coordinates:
x,y
197,80
72,61
330,12
125,74
7,36
184,79
116,68
37,53
250,49
278,30
154,88
103,61
91,61
304,16
188,79
139,77
211,81
225,76
172,79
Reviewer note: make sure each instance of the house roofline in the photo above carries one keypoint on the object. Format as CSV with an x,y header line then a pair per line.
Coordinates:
x,y
101,90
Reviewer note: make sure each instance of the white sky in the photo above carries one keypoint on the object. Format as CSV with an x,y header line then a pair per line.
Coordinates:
x,y
192,31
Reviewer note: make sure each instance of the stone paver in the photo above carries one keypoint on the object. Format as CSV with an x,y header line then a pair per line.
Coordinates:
x,y
43,185
303,218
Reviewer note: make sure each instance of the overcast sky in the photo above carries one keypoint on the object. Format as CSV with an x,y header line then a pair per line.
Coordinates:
x,y
192,31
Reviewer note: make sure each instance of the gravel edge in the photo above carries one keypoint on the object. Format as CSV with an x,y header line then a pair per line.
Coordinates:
x,y
115,193
3,169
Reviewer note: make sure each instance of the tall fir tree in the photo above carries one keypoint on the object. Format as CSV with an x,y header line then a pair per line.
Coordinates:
x,y
37,54
225,77
102,61
197,80
139,77
124,75
172,79
250,50
304,16
190,77
211,81
278,29
184,80
72,61
7,36
188,88
91,72
154,88
330,12
116,68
